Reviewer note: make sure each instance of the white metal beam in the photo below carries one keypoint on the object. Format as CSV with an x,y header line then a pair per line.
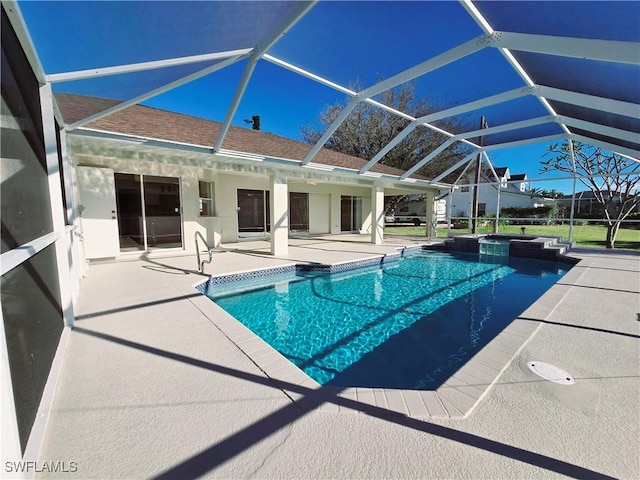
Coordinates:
x,y
427,159
20,27
527,141
307,74
153,93
583,48
506,53
427,66
477,104
507,127
351,93
298,10
455,166
389,146
329,83
395,112
554,179
331,129
139,67
629,152
464,170
635,159
600,129
493,170
404,133
235,102
617,107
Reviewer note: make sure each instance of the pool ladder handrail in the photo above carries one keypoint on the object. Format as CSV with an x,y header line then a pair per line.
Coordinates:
x,y
201,263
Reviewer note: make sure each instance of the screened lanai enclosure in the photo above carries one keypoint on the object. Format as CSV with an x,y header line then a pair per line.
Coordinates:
x,y
538,73
501,81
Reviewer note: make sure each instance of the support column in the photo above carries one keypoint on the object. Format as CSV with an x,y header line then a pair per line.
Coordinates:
x,y
430,215
63,245
377,214
573,189
279,215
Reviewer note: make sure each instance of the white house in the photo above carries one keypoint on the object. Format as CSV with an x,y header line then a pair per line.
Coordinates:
x,y
148,180
511,191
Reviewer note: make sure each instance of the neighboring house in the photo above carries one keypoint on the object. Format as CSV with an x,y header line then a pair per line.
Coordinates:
x,y
585,204
512,192
147,179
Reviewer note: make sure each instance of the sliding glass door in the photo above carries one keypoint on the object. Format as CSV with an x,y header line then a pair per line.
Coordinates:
x,y
298,212
253,213
149,212
350,213
163,219
129,203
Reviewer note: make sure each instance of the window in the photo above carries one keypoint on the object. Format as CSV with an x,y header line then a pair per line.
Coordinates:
x,y
206,199
482,209
464,189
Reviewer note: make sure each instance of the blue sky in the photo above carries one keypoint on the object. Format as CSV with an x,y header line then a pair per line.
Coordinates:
x,y
341,41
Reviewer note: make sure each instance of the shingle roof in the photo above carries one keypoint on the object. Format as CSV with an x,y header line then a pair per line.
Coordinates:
x,y
500,171
176,127
519,176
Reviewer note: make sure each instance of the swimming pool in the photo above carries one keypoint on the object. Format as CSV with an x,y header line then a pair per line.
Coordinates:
x,y
407,324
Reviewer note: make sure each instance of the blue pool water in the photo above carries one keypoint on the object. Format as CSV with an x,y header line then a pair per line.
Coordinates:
x,y
406,324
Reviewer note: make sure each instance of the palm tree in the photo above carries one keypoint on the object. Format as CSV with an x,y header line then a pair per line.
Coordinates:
x,y
553,193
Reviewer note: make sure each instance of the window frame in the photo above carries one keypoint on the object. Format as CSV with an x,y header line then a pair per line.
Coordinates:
x,y
207,200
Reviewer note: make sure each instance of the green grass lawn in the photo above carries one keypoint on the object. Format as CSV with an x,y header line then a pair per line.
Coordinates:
x,y
583,235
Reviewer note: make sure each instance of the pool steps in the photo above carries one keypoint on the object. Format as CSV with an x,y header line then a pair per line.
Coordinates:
x,y
527,246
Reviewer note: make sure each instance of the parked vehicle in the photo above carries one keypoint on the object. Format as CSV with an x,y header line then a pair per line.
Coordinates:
x,y
416,212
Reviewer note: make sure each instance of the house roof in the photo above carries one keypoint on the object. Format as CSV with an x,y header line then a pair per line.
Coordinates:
x,y
591,195
519,176
501,171
150,122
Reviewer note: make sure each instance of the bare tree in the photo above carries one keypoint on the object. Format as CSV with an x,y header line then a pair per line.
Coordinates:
x,y
613,186
368,129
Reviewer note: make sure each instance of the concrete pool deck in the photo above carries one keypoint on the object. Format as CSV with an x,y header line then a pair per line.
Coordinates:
x,y
155,383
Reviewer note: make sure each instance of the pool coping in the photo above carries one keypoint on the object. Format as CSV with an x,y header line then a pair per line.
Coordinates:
x,y
455,398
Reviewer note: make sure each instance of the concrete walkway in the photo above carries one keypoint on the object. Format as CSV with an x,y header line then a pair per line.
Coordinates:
x,y
152,386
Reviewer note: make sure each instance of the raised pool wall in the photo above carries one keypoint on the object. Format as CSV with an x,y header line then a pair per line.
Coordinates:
x,y
526,246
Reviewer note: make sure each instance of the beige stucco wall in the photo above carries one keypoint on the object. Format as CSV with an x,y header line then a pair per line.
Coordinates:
x,y
227,177
189,177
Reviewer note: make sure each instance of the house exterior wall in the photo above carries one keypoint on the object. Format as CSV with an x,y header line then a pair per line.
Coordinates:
x,y
189,177
222,227
319,213
226,200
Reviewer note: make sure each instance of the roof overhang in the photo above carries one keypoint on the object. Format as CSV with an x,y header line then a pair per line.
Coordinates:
x,y
88,145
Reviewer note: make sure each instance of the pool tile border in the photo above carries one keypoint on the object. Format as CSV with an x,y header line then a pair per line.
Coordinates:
x,y
455,398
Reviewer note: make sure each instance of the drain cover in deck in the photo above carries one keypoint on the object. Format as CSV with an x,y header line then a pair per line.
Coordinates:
x,y
551,373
